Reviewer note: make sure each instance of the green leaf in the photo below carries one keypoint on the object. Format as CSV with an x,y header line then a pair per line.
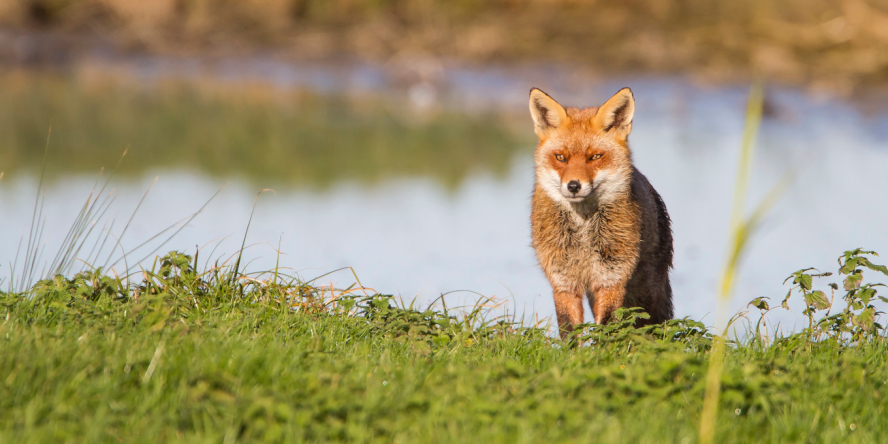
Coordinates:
x,y
784,304
817,300
759,303
796,274
850,266
346,304
875,267
804,280
866,294
853,281
865,319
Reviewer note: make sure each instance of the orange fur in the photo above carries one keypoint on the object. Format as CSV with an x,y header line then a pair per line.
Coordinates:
x,y
599,228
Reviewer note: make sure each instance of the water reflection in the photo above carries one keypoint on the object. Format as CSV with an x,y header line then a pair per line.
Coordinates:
x,y
265,135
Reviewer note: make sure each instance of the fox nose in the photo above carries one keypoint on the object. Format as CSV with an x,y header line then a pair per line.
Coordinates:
x,y
573,186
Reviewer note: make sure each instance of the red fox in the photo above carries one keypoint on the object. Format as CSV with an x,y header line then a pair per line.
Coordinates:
x,y
598,226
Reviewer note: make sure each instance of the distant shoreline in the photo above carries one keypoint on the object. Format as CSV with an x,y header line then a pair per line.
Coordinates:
x,y
423,81
832,48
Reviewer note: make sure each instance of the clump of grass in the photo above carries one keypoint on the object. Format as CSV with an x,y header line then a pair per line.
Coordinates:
x,y
85,243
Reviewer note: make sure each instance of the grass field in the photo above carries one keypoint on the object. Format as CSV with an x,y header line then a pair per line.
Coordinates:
x,y
221,356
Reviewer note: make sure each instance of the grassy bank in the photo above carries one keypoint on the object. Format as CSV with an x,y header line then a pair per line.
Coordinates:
x,y
214,355
827,45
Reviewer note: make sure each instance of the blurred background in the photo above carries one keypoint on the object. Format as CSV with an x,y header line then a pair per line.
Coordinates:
x,y
395,133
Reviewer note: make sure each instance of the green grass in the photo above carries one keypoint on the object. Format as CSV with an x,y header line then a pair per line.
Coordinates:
x,y
210,356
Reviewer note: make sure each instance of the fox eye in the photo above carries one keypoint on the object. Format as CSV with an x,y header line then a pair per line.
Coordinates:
x,y
560,157
594,157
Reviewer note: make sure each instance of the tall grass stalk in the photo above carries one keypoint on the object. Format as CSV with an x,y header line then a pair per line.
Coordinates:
x,y
741,229
182,223
33,233
240,252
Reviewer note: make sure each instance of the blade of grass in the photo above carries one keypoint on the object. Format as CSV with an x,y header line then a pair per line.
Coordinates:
x,y
213,251
125,264
128,222
68,236
38,249
36,205
740,233
80,238
75,238
14,265
187,221
246,231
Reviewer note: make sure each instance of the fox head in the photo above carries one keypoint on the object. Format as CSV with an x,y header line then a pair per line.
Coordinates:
x,y
583,153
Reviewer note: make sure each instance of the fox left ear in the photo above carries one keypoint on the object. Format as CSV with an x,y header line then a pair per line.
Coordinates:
x,y
615,116
548,115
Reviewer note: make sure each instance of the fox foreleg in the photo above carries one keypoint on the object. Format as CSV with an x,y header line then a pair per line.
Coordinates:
x,y
606,301
569,310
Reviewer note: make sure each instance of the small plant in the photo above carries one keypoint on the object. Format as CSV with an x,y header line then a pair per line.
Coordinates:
x,y
89,285
692,335
857,322
858,319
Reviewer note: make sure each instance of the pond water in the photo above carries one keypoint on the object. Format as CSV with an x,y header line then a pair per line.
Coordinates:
x,y
427,191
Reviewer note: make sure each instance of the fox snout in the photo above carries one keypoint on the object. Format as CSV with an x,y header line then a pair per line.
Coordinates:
x,y
576,190
573,186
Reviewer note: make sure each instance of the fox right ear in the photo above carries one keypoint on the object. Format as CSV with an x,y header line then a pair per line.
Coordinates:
x,y
547,114
615,116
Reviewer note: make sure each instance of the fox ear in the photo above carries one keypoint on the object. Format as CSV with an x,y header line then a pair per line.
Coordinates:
x,y
615,116
547,114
